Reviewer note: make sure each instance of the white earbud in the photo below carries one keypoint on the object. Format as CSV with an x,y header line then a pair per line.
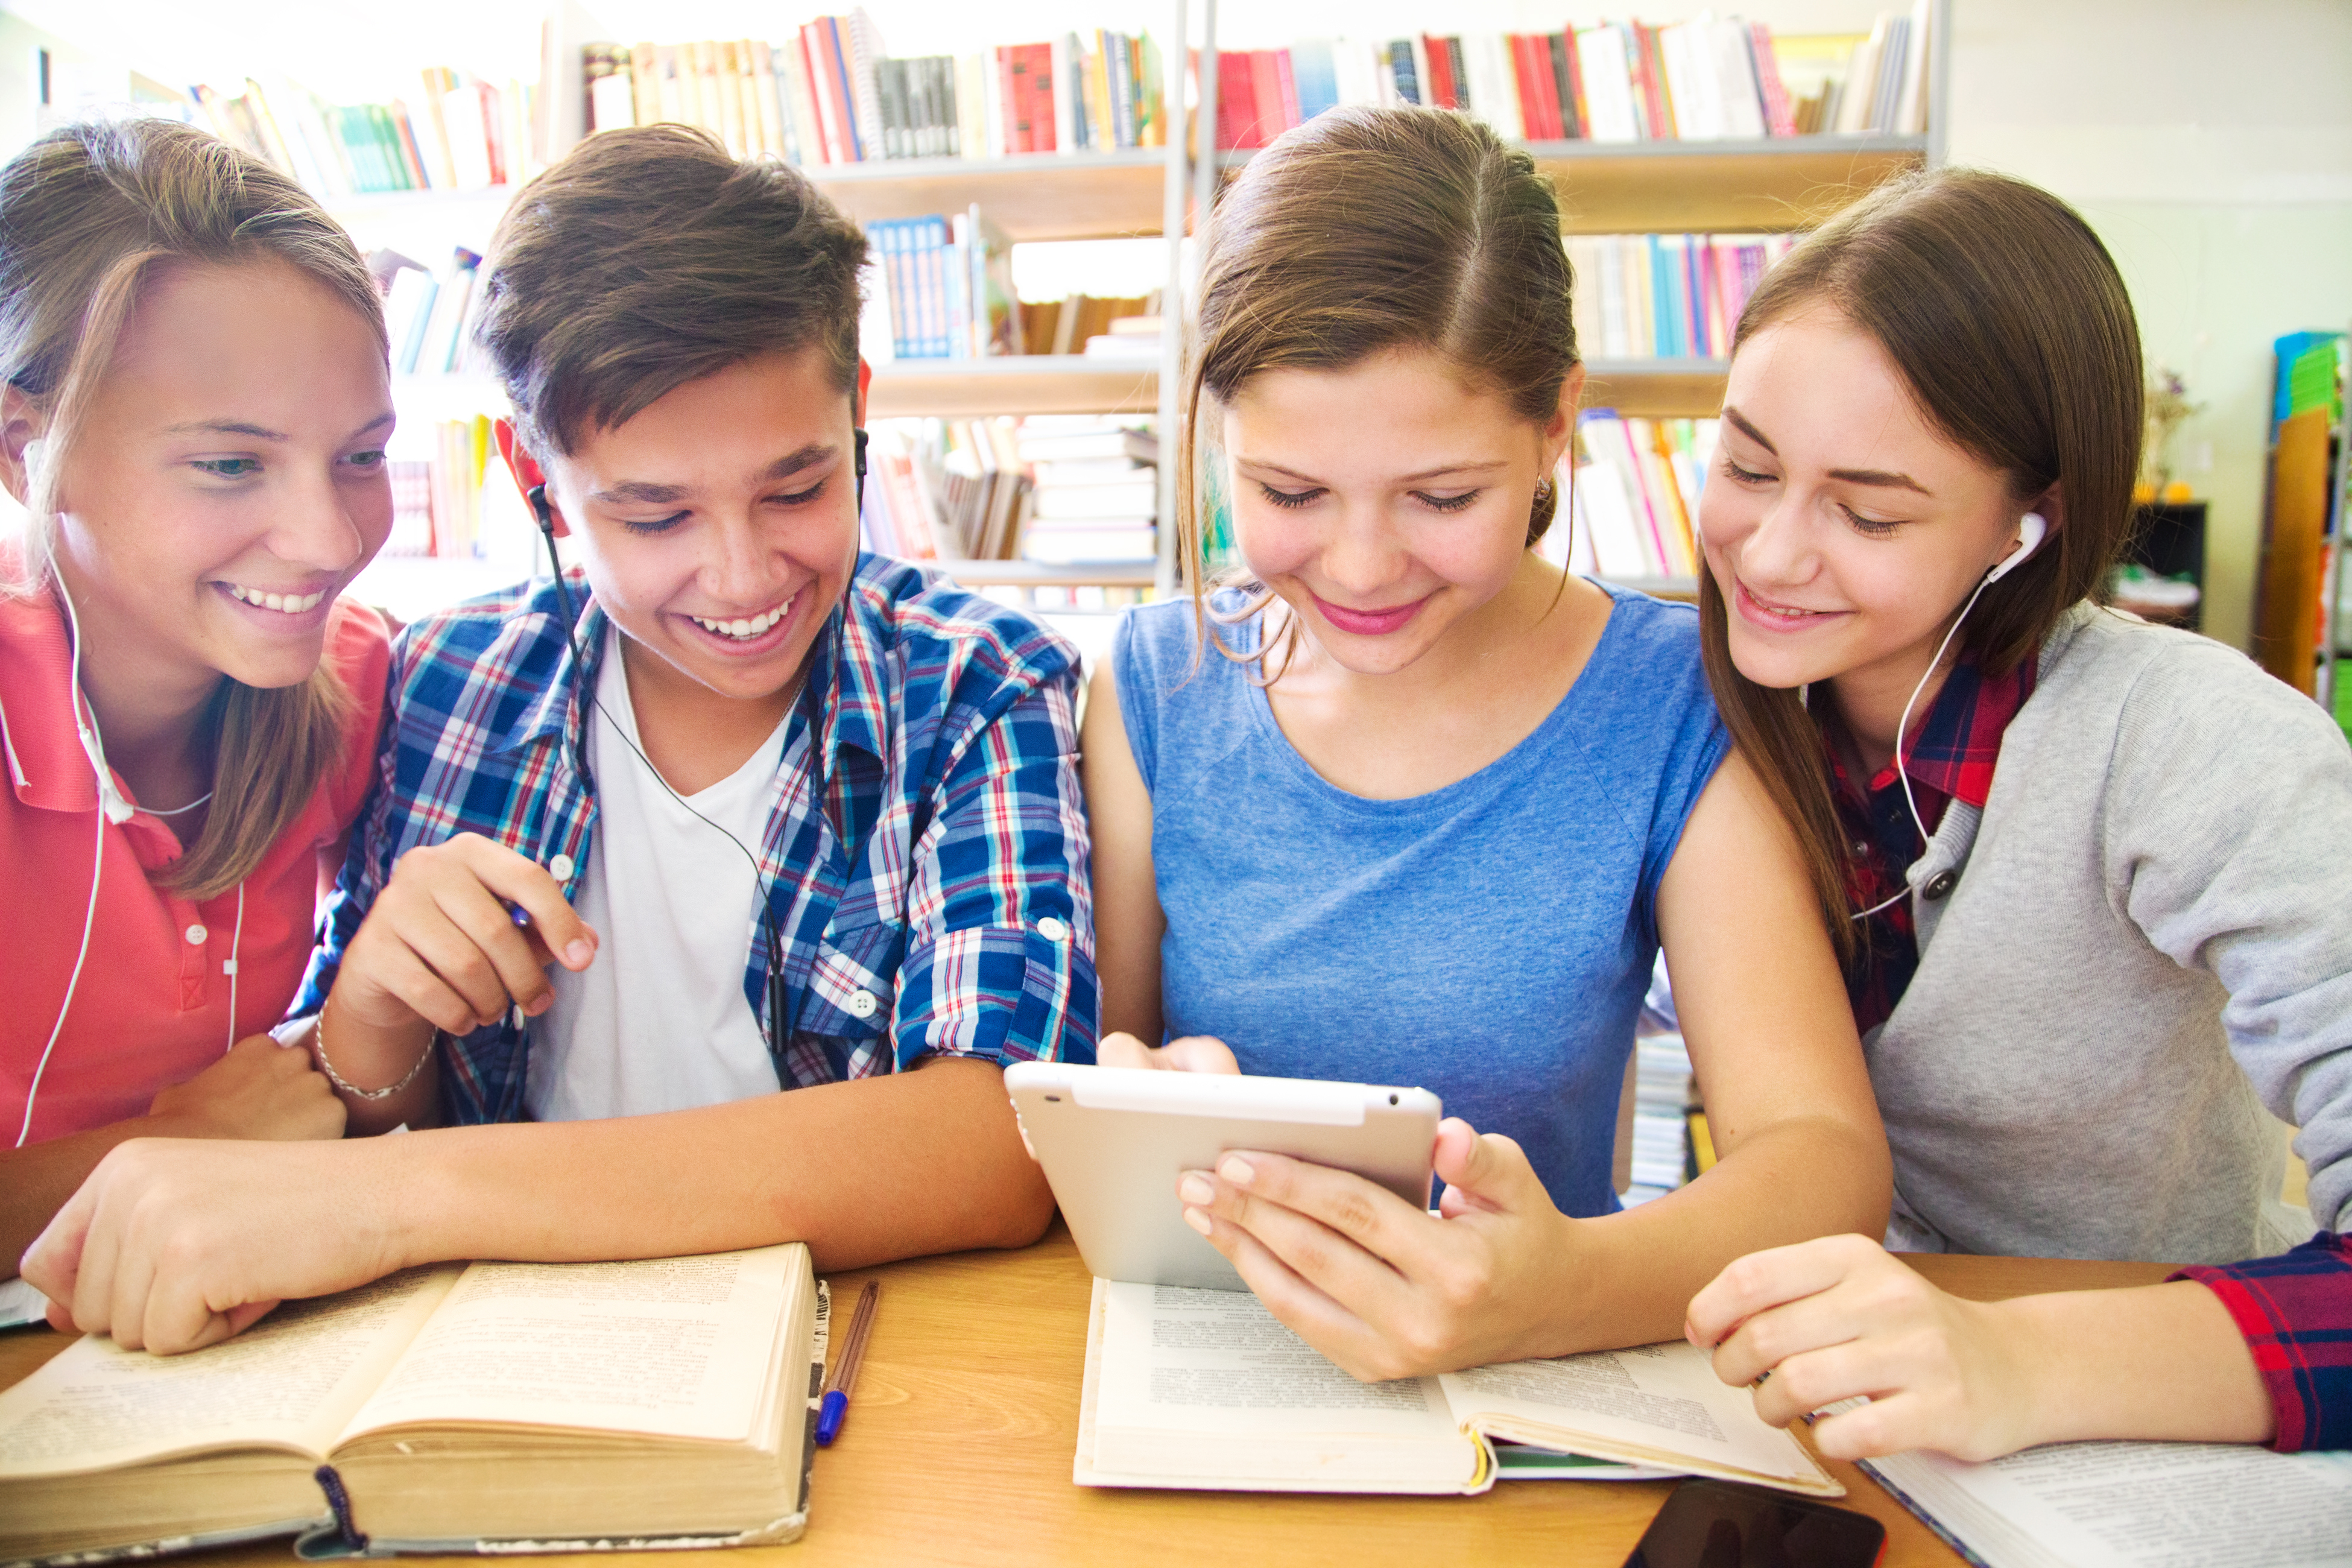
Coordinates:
x,y
2031,530
36,452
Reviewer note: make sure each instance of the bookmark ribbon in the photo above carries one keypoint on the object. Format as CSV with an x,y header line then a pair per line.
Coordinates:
x,y
338,1501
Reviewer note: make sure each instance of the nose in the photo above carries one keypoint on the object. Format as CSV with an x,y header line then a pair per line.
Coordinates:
x,y
1361,557
741,568
315,523
1779,550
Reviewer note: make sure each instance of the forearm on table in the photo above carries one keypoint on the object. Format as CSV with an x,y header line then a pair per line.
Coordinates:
x,y
1787,1181
2163,1363
898,1166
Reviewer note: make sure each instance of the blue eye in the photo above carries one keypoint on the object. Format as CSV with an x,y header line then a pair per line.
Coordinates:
x,y
372,458
229,467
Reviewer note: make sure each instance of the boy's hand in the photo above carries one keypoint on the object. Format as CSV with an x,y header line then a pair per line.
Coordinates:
x,y
1381,1286
175,1244
1828,1319
441,943
1193,1053
259,1090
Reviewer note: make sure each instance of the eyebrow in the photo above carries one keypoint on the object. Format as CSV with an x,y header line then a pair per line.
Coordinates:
x,y
1405,479
230,427
1886,478
645,493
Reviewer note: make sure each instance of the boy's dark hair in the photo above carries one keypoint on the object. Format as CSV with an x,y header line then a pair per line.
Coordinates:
x,y
648,259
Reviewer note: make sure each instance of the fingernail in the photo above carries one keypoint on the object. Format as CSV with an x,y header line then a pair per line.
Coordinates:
x,y
1195,1188
1197,1220
539,1005
577,954
1237,1169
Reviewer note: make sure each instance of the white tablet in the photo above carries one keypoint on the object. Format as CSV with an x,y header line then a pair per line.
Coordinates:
x,y
1113,1142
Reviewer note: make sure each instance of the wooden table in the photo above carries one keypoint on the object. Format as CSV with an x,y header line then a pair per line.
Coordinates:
x,y
957,1449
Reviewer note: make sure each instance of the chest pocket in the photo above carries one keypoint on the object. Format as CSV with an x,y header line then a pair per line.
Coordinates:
x,y
841,1018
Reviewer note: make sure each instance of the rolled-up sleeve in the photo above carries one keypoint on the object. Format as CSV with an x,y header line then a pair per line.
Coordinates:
x,y
2296,1311
999,924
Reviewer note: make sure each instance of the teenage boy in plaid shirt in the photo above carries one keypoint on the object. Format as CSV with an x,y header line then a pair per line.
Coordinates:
x,y
741,811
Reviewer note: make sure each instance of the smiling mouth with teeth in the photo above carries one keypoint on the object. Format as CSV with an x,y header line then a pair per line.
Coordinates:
x,y
743,630
284,603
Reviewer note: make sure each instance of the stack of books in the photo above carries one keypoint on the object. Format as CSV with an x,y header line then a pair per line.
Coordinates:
x,y
459,134
428,319
939,288
1097,491
831,93
1665,1094
1667,296
1635,492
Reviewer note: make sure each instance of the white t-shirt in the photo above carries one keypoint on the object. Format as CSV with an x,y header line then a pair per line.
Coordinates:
x,y
658,1022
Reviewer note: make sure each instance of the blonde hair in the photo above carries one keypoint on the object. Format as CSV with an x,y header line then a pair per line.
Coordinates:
x,y
88,214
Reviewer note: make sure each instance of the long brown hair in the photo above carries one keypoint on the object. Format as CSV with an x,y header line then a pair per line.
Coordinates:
x,y
1367,230
88,215
2015,336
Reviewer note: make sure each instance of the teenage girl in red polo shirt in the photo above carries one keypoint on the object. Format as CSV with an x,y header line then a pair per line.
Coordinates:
x,y
193,416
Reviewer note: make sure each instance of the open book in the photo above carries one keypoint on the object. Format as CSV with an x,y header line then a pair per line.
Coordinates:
x,y
504,1406
2132,1505
1205,1388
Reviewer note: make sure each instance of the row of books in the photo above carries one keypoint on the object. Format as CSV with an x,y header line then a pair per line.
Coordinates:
x,y
438,497
1707,79
1635,497
831,94
939,288
1068,325
1665,296
459,134
1064,490
1665,1094
428,319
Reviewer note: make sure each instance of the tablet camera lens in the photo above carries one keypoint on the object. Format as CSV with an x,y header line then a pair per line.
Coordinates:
x,y
1392,1100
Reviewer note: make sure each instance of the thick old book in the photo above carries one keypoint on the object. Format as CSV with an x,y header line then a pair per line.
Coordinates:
x,y
1206,1389
495,1407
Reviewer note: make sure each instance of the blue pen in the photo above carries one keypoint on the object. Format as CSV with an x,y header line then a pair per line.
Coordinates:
x,y
834,1407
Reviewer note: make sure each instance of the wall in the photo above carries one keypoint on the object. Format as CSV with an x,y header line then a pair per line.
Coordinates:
x,y
2211,147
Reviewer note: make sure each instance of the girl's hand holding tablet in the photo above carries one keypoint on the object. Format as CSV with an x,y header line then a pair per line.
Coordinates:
x,y
1382,1289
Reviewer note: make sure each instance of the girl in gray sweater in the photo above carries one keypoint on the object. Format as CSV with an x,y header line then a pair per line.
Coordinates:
x,y
2088,874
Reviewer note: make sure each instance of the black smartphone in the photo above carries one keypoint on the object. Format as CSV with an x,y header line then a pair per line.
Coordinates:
x,y
1715,1524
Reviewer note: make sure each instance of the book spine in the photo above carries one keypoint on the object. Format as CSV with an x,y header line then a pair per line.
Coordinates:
x,y
1069,120
1286,76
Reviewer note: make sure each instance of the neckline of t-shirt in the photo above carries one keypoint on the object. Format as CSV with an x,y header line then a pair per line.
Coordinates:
x,y
624,717
1446,797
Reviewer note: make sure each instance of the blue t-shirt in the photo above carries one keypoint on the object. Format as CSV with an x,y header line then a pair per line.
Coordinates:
x,y
1490,941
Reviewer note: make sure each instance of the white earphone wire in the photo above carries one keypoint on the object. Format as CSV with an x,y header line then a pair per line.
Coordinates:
x,y
235,941
96,869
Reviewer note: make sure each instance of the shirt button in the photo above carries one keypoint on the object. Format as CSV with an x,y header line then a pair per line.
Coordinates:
x,y
1053,929
196,935
561,868
862,1004
1938,885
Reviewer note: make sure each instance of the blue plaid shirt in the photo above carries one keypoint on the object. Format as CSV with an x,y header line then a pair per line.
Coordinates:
x,y
926,845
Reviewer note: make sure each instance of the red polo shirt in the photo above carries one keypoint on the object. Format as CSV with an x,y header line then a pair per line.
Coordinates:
x,y
152,1008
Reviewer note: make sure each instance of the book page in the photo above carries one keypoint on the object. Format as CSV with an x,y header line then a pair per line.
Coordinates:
x,y
1181,1360
291,1381
672,1347
1658,1403
2137,1505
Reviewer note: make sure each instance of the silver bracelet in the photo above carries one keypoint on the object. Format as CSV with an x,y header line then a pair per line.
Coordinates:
x,y
319,1049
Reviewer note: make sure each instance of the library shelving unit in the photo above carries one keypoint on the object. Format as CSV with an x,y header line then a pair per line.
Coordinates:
x,y
1678,186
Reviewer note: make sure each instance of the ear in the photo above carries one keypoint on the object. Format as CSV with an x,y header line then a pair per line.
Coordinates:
x,y
1559,430
20,423
865,385
2052,505
528,475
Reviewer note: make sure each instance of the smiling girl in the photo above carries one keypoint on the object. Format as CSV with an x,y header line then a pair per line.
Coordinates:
x,y
194,414
2097,869
1409,805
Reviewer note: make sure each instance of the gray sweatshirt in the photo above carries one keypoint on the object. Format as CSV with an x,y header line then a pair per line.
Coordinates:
x,y
2149,943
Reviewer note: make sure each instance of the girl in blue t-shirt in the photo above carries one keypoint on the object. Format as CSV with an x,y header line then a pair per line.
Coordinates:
x,y
1407,805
